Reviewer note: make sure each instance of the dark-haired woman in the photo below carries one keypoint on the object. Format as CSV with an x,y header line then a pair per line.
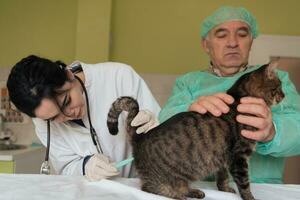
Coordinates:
x,y
47,90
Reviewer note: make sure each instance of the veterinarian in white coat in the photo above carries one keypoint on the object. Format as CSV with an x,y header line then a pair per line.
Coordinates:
x,y
72,151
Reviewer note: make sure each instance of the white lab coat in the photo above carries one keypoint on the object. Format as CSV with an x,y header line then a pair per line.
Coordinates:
x,y
70,143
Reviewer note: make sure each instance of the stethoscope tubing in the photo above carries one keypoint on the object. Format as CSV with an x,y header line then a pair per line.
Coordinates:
x,y
92,130
48,141
45,168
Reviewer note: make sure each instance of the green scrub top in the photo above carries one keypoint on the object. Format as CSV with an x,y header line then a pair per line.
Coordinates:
x,y
267,162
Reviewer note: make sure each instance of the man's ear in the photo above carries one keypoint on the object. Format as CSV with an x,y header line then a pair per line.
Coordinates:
x,y
205,45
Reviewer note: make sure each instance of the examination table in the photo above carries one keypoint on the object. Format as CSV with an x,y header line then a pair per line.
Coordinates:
x,y
37,187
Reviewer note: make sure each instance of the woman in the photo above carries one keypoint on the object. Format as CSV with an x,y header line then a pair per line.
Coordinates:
x,y
50,91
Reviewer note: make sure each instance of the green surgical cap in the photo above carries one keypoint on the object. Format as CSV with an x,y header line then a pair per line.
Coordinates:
x,y
225,14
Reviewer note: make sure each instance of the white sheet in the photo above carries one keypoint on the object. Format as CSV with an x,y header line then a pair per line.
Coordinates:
x,y
38,187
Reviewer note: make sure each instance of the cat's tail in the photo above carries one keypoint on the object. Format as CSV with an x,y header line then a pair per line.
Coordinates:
x,y
124,103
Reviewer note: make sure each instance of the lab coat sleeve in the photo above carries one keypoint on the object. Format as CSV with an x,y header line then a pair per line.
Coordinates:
x,y
286,119
62,158
179,101
131,84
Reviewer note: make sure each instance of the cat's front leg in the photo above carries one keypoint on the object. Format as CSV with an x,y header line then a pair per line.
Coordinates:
x,y
239,172
223,181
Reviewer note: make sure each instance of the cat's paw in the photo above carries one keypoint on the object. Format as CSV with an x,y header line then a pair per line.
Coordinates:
x,y
228,189
247,196
182,198
195,193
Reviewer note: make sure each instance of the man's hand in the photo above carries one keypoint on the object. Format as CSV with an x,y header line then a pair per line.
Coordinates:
x,y
216,104
262,119
145,118
99,167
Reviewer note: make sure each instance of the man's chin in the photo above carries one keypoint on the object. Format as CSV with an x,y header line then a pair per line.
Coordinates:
x,y
229,70
234,64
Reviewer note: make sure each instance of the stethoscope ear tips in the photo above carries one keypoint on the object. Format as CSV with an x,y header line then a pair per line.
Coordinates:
x,y
75,67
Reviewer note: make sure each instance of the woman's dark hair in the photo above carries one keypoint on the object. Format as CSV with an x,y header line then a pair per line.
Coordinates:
x,y
33,79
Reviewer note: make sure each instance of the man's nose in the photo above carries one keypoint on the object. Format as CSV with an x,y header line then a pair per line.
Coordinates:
x,y
232,41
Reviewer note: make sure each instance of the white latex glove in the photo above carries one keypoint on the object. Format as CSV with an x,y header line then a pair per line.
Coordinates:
x,y
99,167
147,118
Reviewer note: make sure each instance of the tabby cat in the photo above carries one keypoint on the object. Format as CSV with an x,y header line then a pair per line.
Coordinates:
x,y
190,146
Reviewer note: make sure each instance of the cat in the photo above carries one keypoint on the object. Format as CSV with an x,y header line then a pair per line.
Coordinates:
x,y
190,146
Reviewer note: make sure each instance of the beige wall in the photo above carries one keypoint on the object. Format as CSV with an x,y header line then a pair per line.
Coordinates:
x,y
163,35
159,36
46,28
93,30
56,29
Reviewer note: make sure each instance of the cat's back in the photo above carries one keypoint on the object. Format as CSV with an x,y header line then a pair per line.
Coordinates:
x,y
187,128
193,142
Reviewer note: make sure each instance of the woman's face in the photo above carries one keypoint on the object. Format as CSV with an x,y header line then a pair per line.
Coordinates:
x,y
70,100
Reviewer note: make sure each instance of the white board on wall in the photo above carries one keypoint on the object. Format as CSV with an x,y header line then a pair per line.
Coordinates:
x,y
266,46
287,48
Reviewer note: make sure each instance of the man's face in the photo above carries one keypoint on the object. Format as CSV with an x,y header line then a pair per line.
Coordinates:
x,y
228,46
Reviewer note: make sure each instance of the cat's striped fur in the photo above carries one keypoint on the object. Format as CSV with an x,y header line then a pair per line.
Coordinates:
x,y
190,146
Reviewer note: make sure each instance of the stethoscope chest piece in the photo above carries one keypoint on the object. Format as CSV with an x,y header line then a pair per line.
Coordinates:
x,y
45,168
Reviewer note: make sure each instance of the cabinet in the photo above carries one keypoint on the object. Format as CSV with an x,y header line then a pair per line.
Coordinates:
x,y
24,161
7,167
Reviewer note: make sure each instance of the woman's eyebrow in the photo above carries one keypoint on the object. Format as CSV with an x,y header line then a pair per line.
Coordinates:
x,y
64,101
63,104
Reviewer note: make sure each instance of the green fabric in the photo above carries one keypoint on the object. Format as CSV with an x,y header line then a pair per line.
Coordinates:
x,y
267,163
225,14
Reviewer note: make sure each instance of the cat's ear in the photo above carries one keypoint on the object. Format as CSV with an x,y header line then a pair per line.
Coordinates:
x,y
270,69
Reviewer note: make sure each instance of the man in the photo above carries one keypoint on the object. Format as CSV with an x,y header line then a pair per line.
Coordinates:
x,y
227,36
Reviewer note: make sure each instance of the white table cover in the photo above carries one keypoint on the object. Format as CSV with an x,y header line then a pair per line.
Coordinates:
x,y
43,187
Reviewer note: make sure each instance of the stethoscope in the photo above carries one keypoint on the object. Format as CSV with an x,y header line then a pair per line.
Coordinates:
x,y
45,168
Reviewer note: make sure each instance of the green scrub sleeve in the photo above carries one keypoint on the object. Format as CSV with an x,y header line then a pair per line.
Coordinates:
x,y
286,119
179,101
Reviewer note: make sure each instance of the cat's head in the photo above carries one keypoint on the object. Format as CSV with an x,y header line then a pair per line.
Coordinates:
x,y
261,83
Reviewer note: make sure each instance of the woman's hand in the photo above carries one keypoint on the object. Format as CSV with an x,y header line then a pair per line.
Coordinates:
x,y
145,118
99,167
